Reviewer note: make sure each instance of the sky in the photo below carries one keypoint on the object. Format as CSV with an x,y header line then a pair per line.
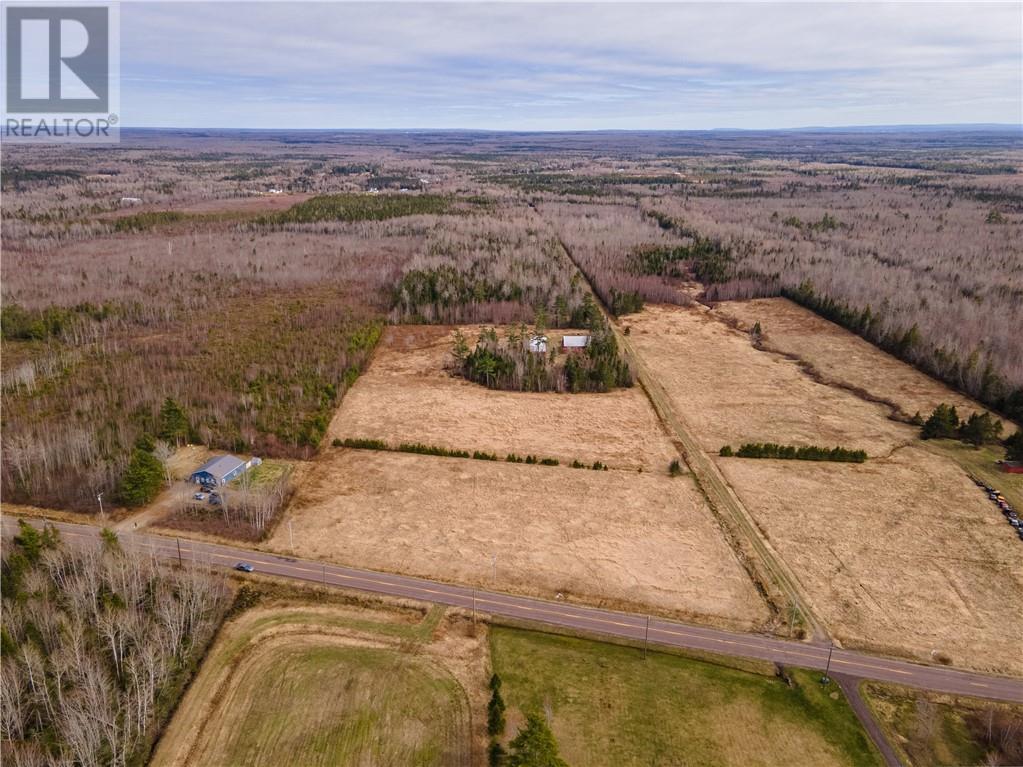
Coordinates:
x,y
576,66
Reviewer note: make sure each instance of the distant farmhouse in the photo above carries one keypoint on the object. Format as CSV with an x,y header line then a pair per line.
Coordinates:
x,y
538,344
574,343
222,469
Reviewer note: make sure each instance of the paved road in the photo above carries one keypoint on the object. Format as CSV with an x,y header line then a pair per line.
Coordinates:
x,y
588,619
850,686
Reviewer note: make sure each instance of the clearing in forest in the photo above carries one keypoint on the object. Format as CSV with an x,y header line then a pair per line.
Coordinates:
x,y
624,539
408,394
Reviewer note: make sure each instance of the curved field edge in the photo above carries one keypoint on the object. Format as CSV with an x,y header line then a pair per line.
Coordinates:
x,y
343,683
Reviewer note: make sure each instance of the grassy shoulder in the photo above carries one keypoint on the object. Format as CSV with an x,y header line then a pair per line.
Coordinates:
x,y
933,730
981,463
610,706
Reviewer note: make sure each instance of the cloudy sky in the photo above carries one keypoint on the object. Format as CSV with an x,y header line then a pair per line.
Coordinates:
x,y
545,66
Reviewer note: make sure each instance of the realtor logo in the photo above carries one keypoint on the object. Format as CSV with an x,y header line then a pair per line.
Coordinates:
x,y
60,61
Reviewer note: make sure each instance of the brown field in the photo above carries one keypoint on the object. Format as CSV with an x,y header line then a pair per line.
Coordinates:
x,y
844,357
408,395
901,555
611,537
731,393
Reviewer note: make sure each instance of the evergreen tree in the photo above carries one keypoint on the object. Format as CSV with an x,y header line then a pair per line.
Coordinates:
x,y
980,429
173,422
535,746
943,423
142,479
1014,447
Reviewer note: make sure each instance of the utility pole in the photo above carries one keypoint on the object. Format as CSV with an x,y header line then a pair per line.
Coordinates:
x,y
827,668
180,562
100,499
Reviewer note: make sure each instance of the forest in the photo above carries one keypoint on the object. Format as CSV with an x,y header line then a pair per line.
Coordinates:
x,y
98,642
248,280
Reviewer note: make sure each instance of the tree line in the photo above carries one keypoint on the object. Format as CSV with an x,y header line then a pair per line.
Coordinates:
x,y
795,453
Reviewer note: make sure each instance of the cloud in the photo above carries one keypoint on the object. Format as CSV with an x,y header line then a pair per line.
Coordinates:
x,y
569,66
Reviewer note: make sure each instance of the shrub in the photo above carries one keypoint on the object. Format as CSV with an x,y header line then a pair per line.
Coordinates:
x,y
549,461
336,442
726,451
674,468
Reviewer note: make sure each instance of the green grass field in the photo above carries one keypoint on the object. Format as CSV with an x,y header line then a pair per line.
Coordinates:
x,y
293,684
609,706
980,462
327,705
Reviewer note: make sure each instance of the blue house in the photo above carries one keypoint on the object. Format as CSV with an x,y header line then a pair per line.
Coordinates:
x,y
221,470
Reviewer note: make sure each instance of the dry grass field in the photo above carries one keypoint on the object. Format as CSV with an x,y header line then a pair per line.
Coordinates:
x,y
901,555
299,684
841,356
611,537
408,395
730,393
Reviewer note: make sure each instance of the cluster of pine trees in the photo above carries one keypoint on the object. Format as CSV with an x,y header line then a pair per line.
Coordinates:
x,y
944,423
508,363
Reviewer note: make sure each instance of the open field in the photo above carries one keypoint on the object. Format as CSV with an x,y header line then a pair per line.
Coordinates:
x,y
408,395
933,730
611,537
610,706
293,683
902,555
731,393
843,357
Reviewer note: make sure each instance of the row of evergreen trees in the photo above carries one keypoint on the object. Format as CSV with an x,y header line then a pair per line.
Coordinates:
x,y
794,453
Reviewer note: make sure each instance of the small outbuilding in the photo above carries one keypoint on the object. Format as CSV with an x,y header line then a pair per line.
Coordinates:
x,y
538,344
222,469
574,343
1012,467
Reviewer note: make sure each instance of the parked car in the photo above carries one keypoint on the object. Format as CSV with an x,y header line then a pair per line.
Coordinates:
x,y
244,567
199,496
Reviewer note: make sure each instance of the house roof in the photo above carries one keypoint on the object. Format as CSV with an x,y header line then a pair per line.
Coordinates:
x,y
575,341
221,466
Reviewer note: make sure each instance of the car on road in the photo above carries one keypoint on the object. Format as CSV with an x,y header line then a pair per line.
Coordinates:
x,y
244,567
